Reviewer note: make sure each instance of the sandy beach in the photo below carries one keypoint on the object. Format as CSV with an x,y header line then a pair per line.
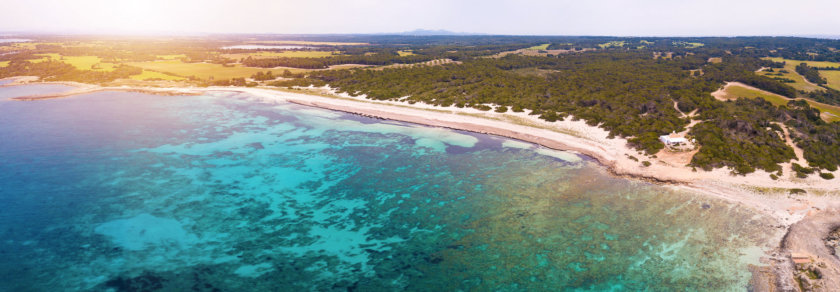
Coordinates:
x,y
756,191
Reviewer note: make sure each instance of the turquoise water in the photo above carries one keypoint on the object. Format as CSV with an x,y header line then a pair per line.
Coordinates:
x,y
125,191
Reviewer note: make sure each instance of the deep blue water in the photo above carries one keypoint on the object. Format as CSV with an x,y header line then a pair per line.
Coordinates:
x,y
126,191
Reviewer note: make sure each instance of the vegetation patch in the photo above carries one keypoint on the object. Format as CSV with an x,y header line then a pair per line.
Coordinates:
x,y
287,54
152,75
688,45
613,44
205,71
542,47
736,91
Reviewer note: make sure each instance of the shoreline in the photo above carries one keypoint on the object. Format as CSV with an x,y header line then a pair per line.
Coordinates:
x,y
756,191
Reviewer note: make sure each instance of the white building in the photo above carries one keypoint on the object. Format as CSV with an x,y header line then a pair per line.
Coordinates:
x,y
673,140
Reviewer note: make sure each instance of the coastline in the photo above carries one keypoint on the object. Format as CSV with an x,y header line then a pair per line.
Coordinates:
x,y
755,191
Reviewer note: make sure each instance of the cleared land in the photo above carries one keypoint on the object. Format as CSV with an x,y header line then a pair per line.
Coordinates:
x,y
734,91
303,43
288,54
688,44
152,75
205,70
542,47
93,63
4,63
790,66
406,53
616,44
171,57
833,78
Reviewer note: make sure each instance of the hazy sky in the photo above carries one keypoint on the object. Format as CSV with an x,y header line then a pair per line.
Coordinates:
x,y
581,17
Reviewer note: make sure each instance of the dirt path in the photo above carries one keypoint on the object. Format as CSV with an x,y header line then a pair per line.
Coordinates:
x,y
800,158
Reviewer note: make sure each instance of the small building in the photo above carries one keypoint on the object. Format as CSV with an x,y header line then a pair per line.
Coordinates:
x,y
673,140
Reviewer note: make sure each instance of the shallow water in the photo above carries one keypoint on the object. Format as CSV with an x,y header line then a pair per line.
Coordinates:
x,y
125,190
35,89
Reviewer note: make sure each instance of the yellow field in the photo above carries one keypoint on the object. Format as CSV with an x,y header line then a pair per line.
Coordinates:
x,y
612,44
93,63
205,70
4,64
31,45
833,78
542,47
810,63
790,66
146,75
410,53
688,45
831,113
289,54
170,57
303,43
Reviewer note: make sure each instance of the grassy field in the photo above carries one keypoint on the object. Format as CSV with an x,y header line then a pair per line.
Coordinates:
x,y
832,113
305,43
833,78
170,57
32,45
406,53
205,70
790,66
80,62
4,64
146,75
688,45
542,47
612,44
810,63
289,54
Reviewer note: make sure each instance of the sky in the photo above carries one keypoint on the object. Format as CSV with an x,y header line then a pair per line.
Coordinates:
x,y
523,17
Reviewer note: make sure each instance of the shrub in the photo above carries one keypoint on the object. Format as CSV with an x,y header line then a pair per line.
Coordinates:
x,y
797,191
826,175
646,163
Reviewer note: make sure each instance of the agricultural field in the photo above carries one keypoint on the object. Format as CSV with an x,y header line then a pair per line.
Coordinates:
x,y
616,44
152,75
170,57
688,44
80,62
833,78
308,43
406,53
32,45
542,47
810,63
4,64
288,54
830,113
790,67
205,70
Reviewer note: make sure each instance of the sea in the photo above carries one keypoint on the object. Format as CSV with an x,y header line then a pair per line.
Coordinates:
x,y
119,191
